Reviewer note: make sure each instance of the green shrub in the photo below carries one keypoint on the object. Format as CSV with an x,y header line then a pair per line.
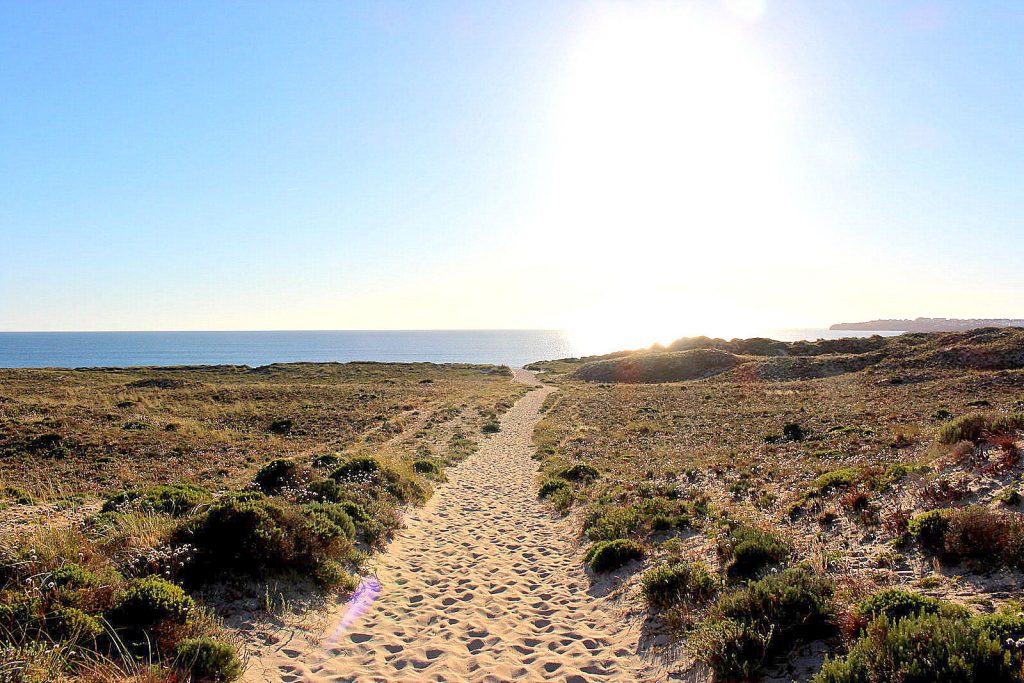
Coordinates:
x,y
836,479
929,529
169,499
335,513
149,601
792,600
74,576
607,556
491,427
326,461
549,487
253,534
964,428
748,550
73,625
580,472
922,649
207,659
363,465
764,617
427,467
733,650
1002,626
368,471
278,475
895,604
678,583
609,523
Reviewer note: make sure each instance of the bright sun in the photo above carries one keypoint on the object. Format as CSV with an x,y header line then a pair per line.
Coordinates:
x,y
669,163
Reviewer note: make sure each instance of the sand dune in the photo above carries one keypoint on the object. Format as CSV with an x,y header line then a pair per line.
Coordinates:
x,y
483,585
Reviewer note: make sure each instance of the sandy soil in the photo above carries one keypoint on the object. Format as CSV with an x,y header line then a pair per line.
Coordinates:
x,y
484,585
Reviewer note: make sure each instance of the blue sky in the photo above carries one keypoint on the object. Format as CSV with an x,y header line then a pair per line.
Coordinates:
x,y
246,165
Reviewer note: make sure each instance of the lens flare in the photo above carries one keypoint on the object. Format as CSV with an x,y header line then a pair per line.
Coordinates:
x,y
358,605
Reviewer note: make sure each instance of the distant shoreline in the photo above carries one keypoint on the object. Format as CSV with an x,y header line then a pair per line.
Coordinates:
x,y
929,324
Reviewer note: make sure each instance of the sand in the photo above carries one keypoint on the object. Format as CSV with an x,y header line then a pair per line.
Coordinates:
x,y
484,584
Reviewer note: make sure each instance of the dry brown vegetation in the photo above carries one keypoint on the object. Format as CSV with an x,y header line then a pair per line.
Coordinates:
x,y
797,456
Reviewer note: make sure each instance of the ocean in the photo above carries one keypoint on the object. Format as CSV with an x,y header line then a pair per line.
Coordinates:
x,y
121,349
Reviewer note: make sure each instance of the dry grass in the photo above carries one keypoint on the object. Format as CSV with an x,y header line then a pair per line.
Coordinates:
x,y
871,449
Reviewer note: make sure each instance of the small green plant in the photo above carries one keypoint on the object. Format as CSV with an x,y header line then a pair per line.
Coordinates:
x,y
71,624
253,534
748,550
149,601
929,529
278,475
607,556
427,467
923,649
169,499
748,625
549,487
208,659
580,472
895,604
355,467
835,480
679,583
492,427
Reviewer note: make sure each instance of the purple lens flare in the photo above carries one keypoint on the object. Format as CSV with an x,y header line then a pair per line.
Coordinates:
x,y
360,602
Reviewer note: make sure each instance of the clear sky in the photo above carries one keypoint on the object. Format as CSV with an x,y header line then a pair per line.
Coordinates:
x,y
658,167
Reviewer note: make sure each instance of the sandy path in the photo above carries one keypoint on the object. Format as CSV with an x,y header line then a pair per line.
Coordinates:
x,y
483,585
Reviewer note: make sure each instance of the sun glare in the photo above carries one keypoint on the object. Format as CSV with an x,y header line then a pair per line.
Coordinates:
x,y
670,157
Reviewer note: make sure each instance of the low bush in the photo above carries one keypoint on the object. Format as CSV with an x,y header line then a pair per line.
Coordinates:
x,y
607,556
836,479
608,523
208,659
748,550
73,576
984,535
491,427
1002,626
895,604
929,529
335,513
326,461
923,649
71,624
362,465
977,426
964,428
679,583
250,533
580,472
169,499
368,472
549,487
427,467
764,617
146,602
278,475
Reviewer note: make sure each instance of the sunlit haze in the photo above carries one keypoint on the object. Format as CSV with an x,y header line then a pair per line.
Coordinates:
x,y
634,171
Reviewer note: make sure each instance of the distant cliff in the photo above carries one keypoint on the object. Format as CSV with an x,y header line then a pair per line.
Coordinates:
x,y
930,324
